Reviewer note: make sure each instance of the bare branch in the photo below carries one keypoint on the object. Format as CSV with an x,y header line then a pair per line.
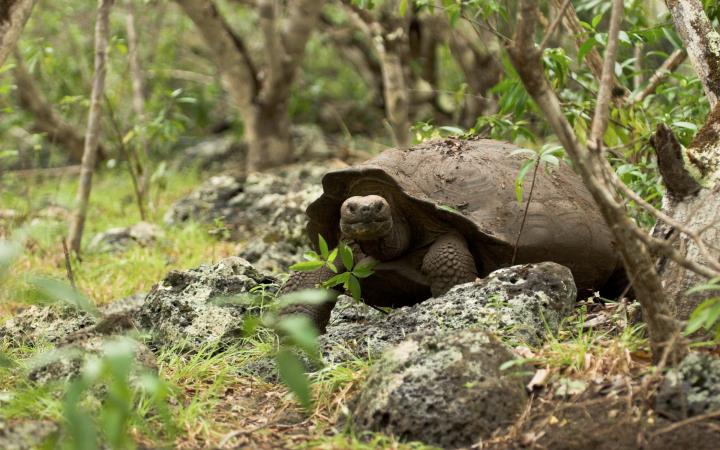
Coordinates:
x,y
302,16
553,26
668,66
228,50
602,106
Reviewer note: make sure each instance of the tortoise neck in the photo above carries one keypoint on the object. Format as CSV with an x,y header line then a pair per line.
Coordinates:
x,y
392,245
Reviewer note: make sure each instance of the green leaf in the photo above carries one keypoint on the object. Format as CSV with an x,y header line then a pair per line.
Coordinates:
x,y
585,48
250,325
6,361
323,247
705,315
520,179
596,20
292,374
340,278
346,255
311,256
307,266
712,285
448,208
686,125
333,256
364,268
354,286
301,332
305,297
9,251
403,7
452,130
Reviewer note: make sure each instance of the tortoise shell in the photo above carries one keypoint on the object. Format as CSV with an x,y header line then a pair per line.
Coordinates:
x,y
469,186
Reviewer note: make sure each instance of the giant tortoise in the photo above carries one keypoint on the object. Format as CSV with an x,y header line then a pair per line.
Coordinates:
x,y
445,212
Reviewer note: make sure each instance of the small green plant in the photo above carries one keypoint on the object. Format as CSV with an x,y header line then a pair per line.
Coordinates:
x,y
354,270
549,154
121,392
707,314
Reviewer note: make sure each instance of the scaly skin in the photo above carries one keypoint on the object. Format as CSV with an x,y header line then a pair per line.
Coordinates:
x,y
448,263
298,281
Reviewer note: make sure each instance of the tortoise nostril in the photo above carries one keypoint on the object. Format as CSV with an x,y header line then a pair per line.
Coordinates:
x,y
351,207
377,207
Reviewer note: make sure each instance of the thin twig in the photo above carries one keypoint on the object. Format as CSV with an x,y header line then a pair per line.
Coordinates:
x,y
68,266
602,107
682,423
126,153
553,26
527,208
668,66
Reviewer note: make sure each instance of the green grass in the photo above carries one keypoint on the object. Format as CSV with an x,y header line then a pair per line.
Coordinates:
x,y
102,276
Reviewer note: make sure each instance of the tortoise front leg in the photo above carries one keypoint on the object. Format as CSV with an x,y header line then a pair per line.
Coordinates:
x,y
447,263
298,281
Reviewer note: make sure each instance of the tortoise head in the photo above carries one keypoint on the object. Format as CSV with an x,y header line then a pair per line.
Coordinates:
x,y
366,218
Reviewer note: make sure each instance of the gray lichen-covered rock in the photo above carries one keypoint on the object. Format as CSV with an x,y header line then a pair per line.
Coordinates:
x,y
444,389
39,324
691,389
121,238
267,209
65,362
309,142
215,152
207,202
520,304
181,309
58,324
23,434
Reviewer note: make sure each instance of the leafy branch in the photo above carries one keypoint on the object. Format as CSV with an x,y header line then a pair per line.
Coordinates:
x,y
354,270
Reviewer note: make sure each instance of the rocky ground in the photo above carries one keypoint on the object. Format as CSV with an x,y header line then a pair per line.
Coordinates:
x,y
443,372
472,366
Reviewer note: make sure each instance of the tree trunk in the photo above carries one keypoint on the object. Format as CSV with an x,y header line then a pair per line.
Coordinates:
x,y
267,133
93,128
698,209
395,93
262,97
13,16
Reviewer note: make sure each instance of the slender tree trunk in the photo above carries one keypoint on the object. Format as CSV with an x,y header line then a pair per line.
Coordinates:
x,y
13,16
138,89
93,128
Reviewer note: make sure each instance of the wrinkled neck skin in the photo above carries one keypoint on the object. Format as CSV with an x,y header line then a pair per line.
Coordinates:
x,y
392,245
